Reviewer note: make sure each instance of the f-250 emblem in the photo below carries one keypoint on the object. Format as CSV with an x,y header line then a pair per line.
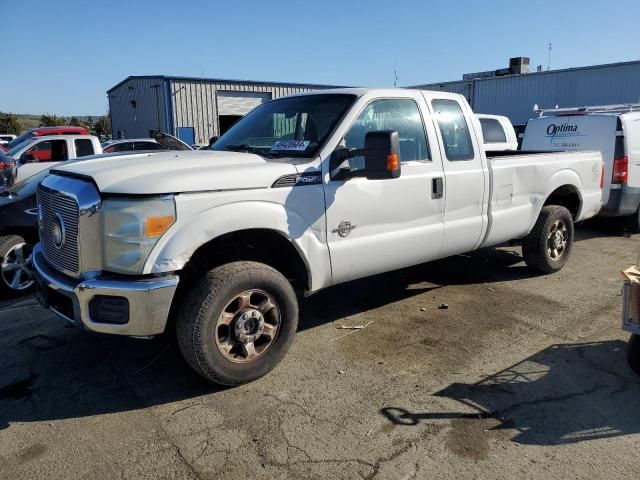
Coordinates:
x,y
344,229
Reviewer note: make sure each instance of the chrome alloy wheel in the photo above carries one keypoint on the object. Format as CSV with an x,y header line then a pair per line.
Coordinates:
x,y
247,326
17,268
557,240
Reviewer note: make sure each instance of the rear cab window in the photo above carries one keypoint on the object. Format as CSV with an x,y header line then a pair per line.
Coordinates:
x,y
454,130
492,131
84,147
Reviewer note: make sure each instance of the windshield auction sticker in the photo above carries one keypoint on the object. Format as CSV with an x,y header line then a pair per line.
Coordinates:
x,y
291,145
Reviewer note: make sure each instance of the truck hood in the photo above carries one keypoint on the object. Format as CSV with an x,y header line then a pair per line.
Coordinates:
x,y
176,172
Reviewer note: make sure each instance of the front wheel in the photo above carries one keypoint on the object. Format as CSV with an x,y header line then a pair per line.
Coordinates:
x,y
16,275
237,322
548,245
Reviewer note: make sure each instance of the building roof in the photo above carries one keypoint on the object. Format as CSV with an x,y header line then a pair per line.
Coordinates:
x,y
219,80
544,72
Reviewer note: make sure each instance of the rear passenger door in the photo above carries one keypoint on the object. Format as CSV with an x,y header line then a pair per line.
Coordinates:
x,y
465,176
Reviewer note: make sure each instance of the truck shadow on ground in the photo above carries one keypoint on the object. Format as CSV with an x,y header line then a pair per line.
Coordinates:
x,y
564,394
49,370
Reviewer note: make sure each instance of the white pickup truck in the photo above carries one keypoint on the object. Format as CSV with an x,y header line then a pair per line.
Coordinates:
x,y
304,192
40,153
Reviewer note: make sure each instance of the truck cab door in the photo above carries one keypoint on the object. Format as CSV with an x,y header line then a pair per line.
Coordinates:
x,y
375,226
465,219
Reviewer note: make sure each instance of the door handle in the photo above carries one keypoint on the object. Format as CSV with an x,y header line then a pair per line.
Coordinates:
x,y
437,188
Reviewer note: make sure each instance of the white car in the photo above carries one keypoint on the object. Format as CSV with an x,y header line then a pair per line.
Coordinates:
x,y
304,192
614,130
498,133
6,138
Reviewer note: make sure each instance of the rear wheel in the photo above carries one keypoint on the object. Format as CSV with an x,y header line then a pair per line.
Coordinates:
x,y
237,322
633,353
16,273
548,246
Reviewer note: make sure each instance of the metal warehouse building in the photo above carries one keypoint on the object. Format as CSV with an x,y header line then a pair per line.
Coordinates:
x,y
193,109
514,91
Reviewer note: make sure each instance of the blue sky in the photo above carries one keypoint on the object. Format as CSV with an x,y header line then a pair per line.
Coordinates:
x,y
60,57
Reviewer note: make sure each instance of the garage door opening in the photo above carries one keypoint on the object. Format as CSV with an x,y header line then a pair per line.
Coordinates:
x,y
227,121
232,106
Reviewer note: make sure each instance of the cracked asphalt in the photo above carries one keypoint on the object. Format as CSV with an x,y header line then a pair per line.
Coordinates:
x,y
522,376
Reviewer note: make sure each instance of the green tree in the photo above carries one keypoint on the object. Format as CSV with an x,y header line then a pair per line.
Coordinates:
x,y
102,126
47,120
9,123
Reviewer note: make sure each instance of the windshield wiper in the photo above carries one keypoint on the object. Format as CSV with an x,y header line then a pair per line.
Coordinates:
x,y
248,149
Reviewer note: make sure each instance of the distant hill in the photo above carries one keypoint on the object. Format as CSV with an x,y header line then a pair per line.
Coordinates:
x,y
28,120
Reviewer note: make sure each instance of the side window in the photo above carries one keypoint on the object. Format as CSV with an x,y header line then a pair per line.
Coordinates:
x,y
454,130
146,146
401,115
48,151
492,131
84,147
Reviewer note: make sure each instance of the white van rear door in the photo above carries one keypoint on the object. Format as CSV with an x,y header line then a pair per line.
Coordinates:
x,y
574,133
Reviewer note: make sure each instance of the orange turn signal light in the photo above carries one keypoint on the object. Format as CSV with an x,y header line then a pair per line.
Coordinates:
x,y
393,162
156,226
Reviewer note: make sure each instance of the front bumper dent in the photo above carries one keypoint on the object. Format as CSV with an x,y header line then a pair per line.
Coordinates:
x,y
149,298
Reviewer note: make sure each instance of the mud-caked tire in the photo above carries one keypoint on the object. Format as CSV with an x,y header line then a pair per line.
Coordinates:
x,y
548,246
237,322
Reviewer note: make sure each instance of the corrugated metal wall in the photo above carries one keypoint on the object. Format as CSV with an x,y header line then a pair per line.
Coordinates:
x,y
463,87
515,96
147,113
193,102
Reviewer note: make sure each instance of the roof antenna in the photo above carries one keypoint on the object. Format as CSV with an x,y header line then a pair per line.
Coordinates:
x,y
549,63
395,74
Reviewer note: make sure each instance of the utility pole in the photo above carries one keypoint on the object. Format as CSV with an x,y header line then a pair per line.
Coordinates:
x,y
549,63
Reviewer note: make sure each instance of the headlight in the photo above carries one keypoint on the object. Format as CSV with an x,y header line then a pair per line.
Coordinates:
x,y
131,227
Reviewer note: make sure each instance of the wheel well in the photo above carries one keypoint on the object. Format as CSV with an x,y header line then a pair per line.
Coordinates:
x,y
261,245
566,196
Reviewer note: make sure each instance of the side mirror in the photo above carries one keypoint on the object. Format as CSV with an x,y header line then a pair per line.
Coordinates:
x,y
382,154
337,163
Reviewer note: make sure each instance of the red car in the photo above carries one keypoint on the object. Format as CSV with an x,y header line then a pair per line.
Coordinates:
x,y
42,131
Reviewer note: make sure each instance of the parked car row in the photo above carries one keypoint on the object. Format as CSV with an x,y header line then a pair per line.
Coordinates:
x,y
18,203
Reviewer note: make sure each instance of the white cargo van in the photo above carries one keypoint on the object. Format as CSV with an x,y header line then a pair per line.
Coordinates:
x,y
612,129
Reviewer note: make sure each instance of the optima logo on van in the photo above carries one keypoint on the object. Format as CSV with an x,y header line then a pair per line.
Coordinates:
x,y
554,129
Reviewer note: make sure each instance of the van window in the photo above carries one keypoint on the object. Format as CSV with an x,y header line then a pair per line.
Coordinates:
x,y
401,115
84,147
454,130
492,131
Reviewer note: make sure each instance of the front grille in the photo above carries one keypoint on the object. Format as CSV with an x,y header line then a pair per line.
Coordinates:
x,y
52,203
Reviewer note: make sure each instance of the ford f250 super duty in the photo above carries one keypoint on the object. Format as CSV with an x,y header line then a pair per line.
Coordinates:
x,y
304,192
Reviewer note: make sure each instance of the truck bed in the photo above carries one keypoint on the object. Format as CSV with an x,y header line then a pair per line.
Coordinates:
x,y
521,181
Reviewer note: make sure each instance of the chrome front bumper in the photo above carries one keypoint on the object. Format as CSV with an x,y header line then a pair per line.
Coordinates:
x,y
149,299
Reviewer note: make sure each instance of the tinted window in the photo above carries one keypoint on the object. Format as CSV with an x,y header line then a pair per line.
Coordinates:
x,y
454,130
492,131
401,115
146,146
84,147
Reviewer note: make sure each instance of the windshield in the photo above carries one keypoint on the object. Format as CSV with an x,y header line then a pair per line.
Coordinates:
x,y
18,147
292,126
18,140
